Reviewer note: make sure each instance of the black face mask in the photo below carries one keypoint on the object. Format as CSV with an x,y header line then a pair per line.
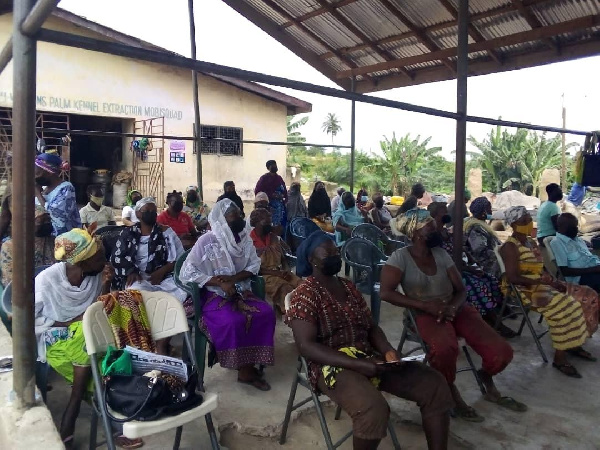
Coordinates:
x,y
43,181
379,203
192,198
434,239
331,265
572,232
177,206
229,194
446,219
350,204
44,230
134,200
238,225
149,217
267,229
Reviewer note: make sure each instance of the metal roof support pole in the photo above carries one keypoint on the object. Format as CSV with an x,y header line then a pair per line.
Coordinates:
x,y
461,127
352,136
6,54
197,129
24,79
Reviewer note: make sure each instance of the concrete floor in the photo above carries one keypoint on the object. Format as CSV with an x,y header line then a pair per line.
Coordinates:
x,y
563,412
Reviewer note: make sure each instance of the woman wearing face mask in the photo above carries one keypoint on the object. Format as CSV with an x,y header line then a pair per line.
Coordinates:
x,y
274,186
145,254
319,207
380,215
240,325
334,331
271,250
128,215
480,239
54,194
483,290
95,211
196,208
525,269
180,222
346,218
434,291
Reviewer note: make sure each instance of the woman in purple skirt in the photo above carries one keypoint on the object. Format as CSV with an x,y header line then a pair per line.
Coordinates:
x,y
240,325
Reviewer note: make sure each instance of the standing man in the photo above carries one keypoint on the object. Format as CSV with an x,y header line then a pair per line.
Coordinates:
x,y
548,213
274,186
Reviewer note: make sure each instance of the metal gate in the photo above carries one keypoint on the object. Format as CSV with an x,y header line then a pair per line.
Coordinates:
x,y
149,168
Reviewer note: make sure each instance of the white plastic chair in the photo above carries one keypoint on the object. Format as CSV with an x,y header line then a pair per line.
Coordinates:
x,y
167,318
550,259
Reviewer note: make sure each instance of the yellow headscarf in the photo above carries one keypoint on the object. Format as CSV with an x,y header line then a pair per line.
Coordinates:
x,y
413,220
75,246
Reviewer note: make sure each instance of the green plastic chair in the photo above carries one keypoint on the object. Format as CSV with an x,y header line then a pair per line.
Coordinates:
x,y
200,339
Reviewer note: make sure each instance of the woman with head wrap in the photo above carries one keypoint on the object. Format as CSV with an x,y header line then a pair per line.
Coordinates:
x,y
239,325
196,208
274,268
54,194
319,204
62,294
230,193
380,215
274,186
296,206
334,330
483,289
346,218
261,200
480,239
542,293
433,290
144,255
128,215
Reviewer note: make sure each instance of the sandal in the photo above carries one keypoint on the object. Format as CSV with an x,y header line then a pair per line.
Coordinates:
x,y
507,402
127,444
567,369
579,352
469,414
506,332
258,383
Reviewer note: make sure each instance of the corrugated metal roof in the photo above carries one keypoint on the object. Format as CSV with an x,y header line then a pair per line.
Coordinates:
x,y
381,38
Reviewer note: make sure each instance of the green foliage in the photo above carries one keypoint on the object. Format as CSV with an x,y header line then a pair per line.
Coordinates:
x,y
518,158
293,135
331,125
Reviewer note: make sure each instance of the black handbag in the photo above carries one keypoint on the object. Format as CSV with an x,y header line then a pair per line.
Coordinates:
x,y
142,398
591,161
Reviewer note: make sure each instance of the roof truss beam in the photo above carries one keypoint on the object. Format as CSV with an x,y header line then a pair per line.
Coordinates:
x,y
532,20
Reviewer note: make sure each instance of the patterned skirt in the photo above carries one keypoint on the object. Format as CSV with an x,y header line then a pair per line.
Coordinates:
x,y
483,292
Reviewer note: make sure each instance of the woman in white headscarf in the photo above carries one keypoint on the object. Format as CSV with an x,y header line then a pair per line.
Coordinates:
x,y
240,325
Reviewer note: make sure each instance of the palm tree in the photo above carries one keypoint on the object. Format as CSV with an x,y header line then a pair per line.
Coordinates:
x,y
294,136
402,160
331,125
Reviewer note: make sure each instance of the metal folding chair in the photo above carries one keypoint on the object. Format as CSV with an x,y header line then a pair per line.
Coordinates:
x,y
366,261
167,318
301,378
514,297
411,333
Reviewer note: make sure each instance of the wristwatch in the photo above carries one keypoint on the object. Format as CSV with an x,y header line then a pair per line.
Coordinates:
x,y
239,289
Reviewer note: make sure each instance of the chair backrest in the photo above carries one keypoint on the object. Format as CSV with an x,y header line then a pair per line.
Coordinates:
x,y
301,227
501,265
549,258
370,232
7,293
187,287
361,251
166,317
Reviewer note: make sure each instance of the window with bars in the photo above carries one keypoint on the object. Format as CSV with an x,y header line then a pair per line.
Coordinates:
x,y
217,147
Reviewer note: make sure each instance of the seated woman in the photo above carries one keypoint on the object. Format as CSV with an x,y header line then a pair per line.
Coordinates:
x,y
319,207
434,291
128,215
144,255
261,200
196,208
483,290
239,325
62,294
346,218
480,239
524,268
271,249
334,331
380,215
181,223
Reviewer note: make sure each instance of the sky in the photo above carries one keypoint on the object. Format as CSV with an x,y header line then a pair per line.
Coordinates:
x,y
225,37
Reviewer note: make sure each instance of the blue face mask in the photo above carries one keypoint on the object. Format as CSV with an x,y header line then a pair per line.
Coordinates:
x,y
488,217
364,199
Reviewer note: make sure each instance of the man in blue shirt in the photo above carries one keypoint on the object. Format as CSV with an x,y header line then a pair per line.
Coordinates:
x,y
574,259
548,213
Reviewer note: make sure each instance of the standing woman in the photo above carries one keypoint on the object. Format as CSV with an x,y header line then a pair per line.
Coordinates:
x,y
240,325
296,206
346,218
54,194
274,186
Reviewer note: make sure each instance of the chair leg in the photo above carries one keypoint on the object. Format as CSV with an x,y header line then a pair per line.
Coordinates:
x,y
322,421
402,340
540,319
474,370
211,432
338,412
41,378
288,411
177,441
200,343
534,334
501,315
99,393
93,429
393,436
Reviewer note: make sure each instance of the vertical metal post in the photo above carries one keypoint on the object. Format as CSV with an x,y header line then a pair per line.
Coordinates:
x,y
563,172
461,128
23,144
197,133
352,136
